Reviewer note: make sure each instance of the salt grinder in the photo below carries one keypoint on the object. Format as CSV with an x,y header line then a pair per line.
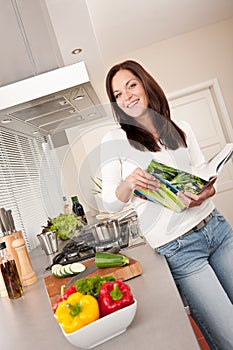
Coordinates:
x,y
28,276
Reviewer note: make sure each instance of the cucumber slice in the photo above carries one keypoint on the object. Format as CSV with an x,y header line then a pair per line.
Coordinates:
x,y
58,272
68,270
77,267
55,267
63,271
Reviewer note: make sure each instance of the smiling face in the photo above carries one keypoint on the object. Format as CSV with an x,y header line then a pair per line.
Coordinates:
x,y
130,94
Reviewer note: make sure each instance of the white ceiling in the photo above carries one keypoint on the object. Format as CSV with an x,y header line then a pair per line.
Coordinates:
x,y
126,25
108,29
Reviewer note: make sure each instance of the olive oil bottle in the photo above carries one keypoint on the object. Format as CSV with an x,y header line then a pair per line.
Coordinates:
x,y
77,209
10,273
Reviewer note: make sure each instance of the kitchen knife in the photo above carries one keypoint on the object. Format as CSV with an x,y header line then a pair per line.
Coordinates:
x,y
11,220
4,220
91,268
2,228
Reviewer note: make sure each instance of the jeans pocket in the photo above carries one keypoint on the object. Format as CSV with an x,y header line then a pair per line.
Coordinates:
x,y
169,249
219,216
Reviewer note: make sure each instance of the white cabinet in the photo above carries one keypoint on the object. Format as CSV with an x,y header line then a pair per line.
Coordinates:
x,y
28,43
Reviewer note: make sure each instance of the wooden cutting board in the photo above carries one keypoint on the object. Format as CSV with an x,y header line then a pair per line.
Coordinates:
x,y
53,284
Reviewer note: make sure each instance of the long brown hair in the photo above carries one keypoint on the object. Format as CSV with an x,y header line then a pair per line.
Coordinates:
x,y
170,135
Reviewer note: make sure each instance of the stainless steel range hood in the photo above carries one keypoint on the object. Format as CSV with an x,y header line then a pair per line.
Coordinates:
x,y
50,102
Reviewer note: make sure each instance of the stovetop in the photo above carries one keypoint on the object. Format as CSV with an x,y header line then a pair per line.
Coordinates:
x,y
83,244
74,252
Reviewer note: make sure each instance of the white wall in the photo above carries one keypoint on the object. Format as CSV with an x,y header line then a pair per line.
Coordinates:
x,y
80,161
190,59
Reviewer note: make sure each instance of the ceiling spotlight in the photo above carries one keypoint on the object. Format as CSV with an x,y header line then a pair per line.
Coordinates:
x,y
72,111
76,51
35,132
6,121
78,97
91,114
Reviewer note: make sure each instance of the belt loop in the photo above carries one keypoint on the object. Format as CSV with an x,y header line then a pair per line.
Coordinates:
x,y
201,224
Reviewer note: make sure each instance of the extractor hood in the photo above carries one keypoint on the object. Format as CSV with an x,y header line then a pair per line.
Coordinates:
x,y
50,102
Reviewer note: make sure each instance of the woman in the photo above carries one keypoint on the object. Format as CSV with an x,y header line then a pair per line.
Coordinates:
x,y
198,242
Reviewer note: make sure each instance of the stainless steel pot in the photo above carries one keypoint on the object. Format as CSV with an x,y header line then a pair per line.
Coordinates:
x,y
48,242
108,233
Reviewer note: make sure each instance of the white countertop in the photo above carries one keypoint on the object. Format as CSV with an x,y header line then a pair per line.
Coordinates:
x,y
160,322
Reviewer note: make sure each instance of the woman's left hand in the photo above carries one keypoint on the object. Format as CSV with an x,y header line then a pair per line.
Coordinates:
x,y
193,200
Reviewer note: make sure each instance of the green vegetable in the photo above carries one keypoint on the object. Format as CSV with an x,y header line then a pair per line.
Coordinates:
x,y
104,259
61,271
182,180
164,196
91,285
65,225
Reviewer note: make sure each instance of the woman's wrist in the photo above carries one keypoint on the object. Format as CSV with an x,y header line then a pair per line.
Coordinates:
x,y
124,191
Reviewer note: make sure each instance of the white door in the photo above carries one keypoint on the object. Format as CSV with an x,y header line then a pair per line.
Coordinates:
x,y
200,108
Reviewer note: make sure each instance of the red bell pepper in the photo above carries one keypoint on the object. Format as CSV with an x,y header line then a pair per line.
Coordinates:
x,y
64,296
68,292
114,296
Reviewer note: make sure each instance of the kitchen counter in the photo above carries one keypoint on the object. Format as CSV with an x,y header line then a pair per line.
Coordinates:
x,y
160,322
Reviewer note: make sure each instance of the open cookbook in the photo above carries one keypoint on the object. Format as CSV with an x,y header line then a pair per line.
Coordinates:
x,y
174,180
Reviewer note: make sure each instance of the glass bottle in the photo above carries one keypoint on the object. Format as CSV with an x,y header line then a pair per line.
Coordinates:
x,y
10,273
78,209
66,207
3,291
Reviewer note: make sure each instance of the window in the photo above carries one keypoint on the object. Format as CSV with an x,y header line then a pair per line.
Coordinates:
x,y
29,182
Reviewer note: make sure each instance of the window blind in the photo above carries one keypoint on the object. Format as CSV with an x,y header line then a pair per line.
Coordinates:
x,y
29,182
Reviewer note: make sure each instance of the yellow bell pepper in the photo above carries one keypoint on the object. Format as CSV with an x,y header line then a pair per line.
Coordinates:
x,y
77,311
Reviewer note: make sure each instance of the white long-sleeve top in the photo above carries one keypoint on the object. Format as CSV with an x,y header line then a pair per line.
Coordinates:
x,y
158,224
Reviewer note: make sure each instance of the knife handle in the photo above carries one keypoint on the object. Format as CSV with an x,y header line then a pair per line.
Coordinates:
x,y
2,228
4,220
11,220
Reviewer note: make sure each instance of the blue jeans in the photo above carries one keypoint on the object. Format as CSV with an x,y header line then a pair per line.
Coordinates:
x,y
202,266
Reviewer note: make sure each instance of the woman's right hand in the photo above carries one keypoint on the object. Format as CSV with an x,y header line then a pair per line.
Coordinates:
x,y
138,179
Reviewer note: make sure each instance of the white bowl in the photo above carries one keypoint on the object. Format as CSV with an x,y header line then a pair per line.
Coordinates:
x,y
103,329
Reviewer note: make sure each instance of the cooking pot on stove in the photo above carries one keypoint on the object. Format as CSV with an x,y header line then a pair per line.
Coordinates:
x,y
105,234
106,231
